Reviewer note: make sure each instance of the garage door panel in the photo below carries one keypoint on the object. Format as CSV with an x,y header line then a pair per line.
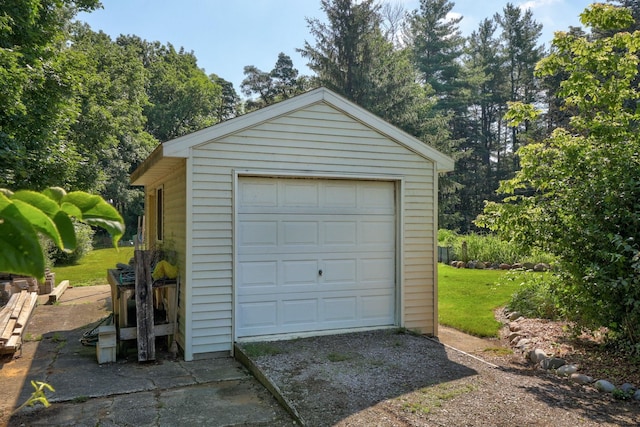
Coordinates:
x,y
299,311
299,272
262,274
258,233
344,228
340,308
342,271
298,193
261,314
377,270
340,232
377,307
298,233
262,193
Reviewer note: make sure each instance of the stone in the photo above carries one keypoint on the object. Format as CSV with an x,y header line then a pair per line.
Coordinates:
x,y
523,343
581,378
514,315
454,263
514,327
513,335
462,264
471,265
567,370
627,388
480,266
516,265
604,386
552,363
505,266
636,395
537,355
540,267
528,265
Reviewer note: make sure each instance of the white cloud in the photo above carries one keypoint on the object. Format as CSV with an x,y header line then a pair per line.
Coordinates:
x,y
533,4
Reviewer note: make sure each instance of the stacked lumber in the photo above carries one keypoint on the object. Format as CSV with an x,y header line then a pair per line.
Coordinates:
x,y
14,318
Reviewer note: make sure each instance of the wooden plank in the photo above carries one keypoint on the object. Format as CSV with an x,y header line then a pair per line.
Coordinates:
x,y
8,330
159,331
144,307
58,291
27,309
14,343
7,309
18,307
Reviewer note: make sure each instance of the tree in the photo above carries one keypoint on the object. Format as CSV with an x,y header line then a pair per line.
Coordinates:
x,y
520,34
25,214
577,193
37,84
182,98
437,46
281,83
352,57
231,104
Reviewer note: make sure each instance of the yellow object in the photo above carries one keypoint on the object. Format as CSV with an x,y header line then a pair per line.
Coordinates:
x,y
164,269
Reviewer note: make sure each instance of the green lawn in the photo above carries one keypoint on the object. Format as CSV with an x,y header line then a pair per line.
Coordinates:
x,y
467,298
92,269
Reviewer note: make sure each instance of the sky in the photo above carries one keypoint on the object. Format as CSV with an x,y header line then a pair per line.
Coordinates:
x,y
227,35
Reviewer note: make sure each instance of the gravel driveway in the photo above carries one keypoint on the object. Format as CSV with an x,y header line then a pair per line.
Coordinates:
x,y
389,378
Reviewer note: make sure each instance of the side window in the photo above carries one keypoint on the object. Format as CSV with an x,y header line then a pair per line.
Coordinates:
x,y
159,213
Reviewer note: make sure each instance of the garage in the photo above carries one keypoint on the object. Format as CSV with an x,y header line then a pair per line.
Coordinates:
x,y
315,255
309,216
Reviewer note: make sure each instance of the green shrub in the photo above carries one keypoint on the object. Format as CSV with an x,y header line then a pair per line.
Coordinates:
x,y
536,295
84,245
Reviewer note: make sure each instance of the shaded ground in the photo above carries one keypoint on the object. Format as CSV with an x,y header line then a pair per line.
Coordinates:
x,y
166,392
381,378
385,378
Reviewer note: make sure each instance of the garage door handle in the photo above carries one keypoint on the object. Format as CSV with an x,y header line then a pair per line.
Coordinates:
x,y
319,272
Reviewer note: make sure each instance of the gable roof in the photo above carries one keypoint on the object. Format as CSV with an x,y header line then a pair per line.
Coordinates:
x,y
179,148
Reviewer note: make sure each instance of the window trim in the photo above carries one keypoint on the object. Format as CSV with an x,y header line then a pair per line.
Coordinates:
x,y
160,213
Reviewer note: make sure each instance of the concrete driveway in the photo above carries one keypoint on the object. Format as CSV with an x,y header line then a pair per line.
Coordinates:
x,y
167,392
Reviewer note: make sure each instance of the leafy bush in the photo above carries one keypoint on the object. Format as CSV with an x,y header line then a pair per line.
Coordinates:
x,y
84,245
536,294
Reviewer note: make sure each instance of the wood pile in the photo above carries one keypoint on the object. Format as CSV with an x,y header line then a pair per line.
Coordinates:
x,y
14,318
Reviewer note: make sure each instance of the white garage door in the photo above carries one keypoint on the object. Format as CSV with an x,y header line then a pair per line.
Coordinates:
x,y
314,255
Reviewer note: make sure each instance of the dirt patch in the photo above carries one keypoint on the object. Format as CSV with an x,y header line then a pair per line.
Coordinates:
x,y
386,378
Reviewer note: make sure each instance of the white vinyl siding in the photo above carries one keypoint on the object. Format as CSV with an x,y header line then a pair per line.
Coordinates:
x,y
317,140
174,194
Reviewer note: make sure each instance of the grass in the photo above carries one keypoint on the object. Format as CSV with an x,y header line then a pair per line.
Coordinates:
x,y
467,299
92,269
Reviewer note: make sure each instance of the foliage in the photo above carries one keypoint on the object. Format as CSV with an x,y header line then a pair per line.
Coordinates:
x,y
92,269
38,396
535,296
25,214
37,83
490,248
281,83
467,299
577,193
84,236
352,57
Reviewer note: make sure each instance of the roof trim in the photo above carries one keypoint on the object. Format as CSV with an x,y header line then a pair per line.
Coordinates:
x,y
180,147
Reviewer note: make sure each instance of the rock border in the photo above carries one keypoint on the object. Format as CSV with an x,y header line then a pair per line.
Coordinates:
x,y
559,366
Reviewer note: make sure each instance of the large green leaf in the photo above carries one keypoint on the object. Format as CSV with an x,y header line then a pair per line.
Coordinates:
x,y
38,200
94,210
20,250
39,221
